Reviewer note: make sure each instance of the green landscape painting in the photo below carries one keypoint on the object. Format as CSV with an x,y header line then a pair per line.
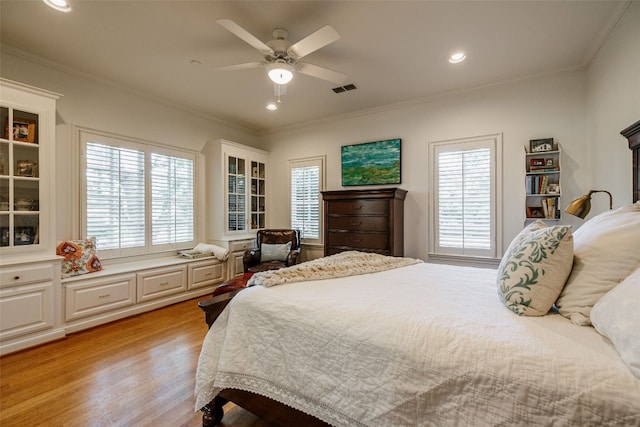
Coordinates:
x,y
371,163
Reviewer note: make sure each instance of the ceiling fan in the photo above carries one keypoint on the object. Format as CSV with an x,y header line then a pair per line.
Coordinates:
x,y
281,58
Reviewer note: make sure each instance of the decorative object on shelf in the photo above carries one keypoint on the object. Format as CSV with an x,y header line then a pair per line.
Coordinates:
x,y
24,130
26,205
28,168
541,145
535,212
371,163
581,206
24,236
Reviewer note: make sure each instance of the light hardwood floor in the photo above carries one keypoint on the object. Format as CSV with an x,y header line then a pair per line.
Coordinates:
x,y
138,371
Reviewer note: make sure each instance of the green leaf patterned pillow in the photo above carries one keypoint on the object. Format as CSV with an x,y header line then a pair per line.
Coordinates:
x,y
534,270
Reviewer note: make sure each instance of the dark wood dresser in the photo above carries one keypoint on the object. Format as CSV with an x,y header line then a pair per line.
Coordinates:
x,y
364,220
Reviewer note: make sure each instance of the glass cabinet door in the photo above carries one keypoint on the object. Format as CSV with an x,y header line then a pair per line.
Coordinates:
x,y
19,178
258,197
236,194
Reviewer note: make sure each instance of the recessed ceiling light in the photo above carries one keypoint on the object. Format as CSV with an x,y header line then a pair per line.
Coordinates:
x,y
61,5
272,106
457,57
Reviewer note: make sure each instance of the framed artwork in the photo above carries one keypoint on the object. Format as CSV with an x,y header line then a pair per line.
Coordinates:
x,y
540,145
534,212
371,163
24,130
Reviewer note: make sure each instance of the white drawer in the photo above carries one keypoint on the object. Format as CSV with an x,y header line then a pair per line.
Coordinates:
x,y
161,282
205,274
12,276
26,309
84,299
241,245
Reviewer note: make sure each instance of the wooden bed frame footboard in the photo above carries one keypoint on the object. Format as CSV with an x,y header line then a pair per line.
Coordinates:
x,y
276,412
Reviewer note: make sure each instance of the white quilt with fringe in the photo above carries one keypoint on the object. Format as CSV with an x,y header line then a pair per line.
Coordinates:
x,y
421,345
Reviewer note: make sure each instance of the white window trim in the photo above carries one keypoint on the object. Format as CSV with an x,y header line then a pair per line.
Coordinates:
x,y
495,141
311,161
148,147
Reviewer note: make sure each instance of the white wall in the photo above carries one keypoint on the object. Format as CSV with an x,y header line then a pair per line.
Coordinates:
x,y
91,104
552,106
613,104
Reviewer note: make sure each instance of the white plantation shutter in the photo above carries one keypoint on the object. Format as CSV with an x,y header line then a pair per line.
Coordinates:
x,y
171,199
464,198
137,198
115,208
306,184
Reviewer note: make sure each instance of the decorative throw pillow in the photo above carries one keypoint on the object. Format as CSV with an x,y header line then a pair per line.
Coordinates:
x,y
617,317
531,275
607,250
274,252
79,257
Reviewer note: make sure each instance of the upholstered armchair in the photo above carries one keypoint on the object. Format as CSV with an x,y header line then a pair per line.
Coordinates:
x,y
275,249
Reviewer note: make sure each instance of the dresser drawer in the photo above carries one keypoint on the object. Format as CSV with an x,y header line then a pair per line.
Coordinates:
x,y
374,241
12,276
359,207
158,283
93,297
26,309
357,223
205,274
241,245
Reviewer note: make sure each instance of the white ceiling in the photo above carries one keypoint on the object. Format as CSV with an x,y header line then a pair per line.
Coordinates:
x,y
393,51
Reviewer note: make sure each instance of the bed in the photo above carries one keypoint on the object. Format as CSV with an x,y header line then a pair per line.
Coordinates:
x,y
413,343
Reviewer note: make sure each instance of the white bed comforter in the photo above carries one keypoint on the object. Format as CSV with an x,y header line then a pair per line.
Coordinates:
x,y
420,345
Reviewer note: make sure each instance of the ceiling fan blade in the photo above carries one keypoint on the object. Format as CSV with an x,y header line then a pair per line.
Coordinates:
x,y
245,35
313,42
321,73
237,67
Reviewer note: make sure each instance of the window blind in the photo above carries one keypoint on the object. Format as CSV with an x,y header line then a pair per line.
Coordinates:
x,y
171,199
305,199
115,196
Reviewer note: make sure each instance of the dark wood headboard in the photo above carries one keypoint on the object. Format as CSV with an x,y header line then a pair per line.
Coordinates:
x,y
632,133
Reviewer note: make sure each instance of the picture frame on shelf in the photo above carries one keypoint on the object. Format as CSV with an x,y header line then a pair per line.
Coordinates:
x,y
535,212
27,168
540,145
537,162
24,130
549,162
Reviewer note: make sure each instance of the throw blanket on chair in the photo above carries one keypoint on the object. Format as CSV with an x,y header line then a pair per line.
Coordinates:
x,y
343,264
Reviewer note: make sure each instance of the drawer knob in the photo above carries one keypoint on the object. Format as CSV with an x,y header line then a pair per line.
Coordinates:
x,y
164,283
356,223
356,206
104,296
208,274
16,277
353,239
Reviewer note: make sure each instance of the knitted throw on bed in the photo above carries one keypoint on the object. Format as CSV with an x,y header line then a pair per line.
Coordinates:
x,y
343,264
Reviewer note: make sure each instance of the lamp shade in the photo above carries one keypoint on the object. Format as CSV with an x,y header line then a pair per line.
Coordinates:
x,y
280,72
581,206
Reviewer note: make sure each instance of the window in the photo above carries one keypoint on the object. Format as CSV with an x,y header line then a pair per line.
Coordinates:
x,y
137,198
306,183
465,188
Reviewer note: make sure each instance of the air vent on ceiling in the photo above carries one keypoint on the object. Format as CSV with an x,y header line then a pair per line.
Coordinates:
x,y
344,88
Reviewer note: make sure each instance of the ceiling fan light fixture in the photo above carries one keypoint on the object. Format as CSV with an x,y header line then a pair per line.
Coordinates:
x,y
60,5
457,57
280,72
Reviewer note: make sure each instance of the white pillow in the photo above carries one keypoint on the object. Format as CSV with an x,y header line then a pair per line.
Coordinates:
x,y
617,316
274,252
535,268
606,250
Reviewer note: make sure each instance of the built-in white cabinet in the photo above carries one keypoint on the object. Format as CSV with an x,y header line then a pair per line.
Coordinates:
x,y
29,269
542,180
237,189
29,304
122,290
